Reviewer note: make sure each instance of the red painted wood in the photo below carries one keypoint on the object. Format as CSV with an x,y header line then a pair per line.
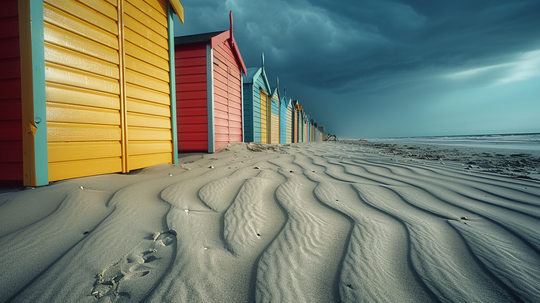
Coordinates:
x,y
11,68
11,166
194,128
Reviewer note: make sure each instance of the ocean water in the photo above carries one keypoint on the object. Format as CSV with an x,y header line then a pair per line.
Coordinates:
x,y
530,142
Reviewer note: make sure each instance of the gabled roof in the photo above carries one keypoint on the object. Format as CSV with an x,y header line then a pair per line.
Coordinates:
x,y
215,38
198,38
255,72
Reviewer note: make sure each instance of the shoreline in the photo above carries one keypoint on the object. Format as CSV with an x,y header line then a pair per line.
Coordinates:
x,y
519,163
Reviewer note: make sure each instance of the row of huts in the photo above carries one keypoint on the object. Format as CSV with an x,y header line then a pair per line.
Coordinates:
x,y
96,87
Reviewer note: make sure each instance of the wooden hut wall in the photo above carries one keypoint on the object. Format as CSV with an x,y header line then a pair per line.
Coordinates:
x,y
274,119
264,116
289,123
283,121
11,142
227,96
98,92
191,97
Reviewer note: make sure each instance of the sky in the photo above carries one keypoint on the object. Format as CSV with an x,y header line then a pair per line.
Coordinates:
x,y
402,68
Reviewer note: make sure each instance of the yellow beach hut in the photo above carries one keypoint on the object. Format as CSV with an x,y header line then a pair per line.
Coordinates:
x,y
97,81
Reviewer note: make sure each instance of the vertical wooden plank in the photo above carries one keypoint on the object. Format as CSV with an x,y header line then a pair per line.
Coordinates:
x,y
210,97
172,82
123,101
35,165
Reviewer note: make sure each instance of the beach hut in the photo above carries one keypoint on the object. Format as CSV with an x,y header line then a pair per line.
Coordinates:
x,y
283,120
255,93
289,117
296,121
274,115
209,70
96,87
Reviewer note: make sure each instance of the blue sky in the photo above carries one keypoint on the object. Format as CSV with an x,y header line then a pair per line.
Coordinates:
x,y
377,68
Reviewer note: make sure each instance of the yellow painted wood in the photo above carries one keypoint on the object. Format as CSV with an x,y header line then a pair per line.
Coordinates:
x,y
85,13
103,7
147,69
69,132
150,11
57,17
160,6
141,93
141,120
146,56
148,134
136,162
178,9
150,147
63,56
62,151
112,2
57,112
136,14
73,95
71,76
75,42
137,106
275,129
146,32
145,81
122,68
76,169
145,43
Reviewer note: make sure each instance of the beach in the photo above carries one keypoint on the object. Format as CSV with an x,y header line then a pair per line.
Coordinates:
x,y
306,222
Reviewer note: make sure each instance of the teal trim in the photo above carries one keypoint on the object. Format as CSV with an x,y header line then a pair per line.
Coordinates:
x,y
172,82
40,103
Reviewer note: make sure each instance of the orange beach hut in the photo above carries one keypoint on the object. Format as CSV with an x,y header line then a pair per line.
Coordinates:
x,y
86,87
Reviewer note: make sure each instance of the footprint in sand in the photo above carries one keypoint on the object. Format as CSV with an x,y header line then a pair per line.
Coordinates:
x,y
135,274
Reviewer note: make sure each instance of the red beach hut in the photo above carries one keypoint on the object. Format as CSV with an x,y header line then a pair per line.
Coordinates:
x,y
209,71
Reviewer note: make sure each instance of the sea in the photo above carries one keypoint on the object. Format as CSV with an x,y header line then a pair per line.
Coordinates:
x,y
524,142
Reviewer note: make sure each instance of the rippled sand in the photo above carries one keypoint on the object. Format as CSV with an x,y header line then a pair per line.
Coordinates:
x,y
312,222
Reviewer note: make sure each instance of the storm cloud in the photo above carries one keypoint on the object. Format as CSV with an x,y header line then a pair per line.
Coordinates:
x,y
376,57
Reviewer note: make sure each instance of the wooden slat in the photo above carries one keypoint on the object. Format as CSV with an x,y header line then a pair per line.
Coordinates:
x,y
142,120
74,77
75,42
137,106
140,161
66,132
83,168
146,81
141,93
145,43
79,96
150,147
146,32
68,113
71,151
136,14
85,13
150,11
147,69
63,56
103,7
146,134
146,56
160,6
57,17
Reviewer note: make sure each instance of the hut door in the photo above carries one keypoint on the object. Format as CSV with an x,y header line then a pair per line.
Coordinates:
x,y
107,86
264,118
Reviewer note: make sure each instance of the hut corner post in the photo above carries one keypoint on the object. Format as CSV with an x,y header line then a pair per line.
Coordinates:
x,y
172,82
34,128
210,97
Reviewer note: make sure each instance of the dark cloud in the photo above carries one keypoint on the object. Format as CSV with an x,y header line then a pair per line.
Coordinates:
x,y
373,49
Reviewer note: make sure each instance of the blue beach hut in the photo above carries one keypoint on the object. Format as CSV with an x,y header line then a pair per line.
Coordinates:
x,y
283,120
256,89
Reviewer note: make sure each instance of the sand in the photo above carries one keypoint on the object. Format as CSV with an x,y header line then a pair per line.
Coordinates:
x,y
307,222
